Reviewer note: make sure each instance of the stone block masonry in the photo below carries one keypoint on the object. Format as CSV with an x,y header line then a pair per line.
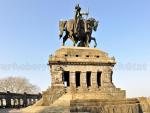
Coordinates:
x,y
84,73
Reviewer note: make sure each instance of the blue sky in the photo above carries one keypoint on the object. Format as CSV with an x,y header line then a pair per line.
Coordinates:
x,y
29,34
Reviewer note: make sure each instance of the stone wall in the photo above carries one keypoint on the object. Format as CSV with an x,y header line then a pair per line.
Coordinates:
x,y
105,106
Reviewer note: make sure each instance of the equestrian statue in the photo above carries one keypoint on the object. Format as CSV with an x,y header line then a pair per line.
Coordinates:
x,y
79,29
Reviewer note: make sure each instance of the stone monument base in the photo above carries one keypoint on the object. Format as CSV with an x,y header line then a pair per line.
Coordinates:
x,y
82,83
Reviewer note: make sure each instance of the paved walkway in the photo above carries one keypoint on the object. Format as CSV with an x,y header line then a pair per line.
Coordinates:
x,y
9,110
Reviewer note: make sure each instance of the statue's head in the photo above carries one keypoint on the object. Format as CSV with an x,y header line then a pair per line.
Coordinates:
x,y
77,7
94,23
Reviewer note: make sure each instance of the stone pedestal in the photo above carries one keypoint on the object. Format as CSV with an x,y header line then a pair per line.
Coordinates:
x,y
78,68
82,82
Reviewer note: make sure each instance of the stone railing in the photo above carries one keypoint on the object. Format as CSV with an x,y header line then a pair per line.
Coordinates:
x,y
16,100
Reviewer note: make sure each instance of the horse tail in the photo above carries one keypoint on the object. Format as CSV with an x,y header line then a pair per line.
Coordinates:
x,y
61,27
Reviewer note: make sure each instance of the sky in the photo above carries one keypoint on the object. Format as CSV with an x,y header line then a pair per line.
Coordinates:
x,y
29,34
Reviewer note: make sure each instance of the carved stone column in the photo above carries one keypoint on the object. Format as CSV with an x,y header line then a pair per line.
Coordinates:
x,y
1,102
56,75
8,99
106,78
72,82
94,81
83,81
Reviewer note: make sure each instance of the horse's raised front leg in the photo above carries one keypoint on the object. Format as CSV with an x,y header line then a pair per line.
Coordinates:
x,y
93,38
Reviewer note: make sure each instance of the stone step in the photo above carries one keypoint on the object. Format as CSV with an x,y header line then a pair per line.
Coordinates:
x,y
64,99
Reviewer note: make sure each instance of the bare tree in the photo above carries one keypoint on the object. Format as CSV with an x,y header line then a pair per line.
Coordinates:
x,y
17,85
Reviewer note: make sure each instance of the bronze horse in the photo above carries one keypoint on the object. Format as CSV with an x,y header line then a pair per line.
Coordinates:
x,y
83,35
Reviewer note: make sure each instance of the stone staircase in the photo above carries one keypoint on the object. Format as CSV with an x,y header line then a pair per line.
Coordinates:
x,y
53,94
61,105
64,99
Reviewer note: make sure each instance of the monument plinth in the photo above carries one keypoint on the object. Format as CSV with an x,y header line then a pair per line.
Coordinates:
x,y
84,72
